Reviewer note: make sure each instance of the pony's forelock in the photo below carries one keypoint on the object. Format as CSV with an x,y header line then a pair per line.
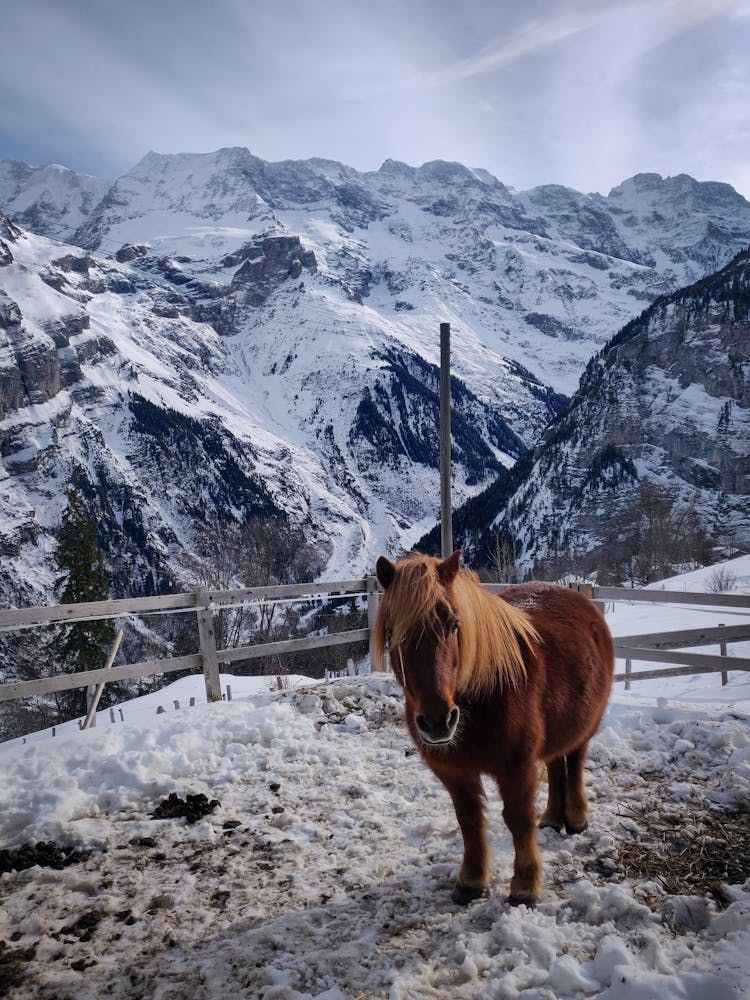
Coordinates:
x,y
409,603
492,634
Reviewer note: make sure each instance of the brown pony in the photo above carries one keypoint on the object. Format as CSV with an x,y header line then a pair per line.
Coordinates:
x,y
493,685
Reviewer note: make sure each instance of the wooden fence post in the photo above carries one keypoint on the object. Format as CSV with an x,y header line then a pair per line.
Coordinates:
x,y
587,589
628,671
373,598
207,637
94,691
723,652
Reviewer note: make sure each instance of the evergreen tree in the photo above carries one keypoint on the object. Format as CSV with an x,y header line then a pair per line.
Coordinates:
x,y
81,645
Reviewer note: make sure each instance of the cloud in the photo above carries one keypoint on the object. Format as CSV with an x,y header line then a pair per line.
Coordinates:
x,y
625,31
532,37
581,92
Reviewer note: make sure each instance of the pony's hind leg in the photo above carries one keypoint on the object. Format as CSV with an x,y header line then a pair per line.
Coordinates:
x,y
576,804
469,801
557,780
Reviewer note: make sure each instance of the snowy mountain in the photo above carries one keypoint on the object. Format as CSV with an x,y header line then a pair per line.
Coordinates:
x,y
438,240
48,200
109,381
661,420
267,334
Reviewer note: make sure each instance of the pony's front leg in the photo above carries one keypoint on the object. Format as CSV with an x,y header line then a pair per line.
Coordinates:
x,y
469,802
518,792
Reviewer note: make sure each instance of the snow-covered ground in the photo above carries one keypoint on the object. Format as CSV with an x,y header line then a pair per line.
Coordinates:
x,y
326,870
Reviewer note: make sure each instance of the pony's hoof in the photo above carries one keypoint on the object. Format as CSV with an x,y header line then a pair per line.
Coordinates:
x,y
523,899
465,894
572,828
545,824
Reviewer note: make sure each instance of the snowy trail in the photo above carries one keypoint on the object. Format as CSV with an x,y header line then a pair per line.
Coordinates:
x,y
336,882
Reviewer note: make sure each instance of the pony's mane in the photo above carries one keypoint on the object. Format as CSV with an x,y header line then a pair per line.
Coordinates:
x,y
491,634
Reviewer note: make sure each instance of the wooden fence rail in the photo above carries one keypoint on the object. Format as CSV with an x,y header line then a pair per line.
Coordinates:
x,y
671,597
686,637
659,647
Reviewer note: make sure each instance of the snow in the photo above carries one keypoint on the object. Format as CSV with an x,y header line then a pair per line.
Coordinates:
x,y
326,870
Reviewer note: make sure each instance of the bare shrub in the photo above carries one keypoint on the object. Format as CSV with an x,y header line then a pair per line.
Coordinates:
x,y
720,580
503,559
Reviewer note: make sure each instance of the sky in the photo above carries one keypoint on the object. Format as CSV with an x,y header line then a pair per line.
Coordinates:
x,y
578,92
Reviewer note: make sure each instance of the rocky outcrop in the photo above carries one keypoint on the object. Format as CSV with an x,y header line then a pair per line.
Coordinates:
x,y
130,252
29,365
267,262
73,263
8,234
11,382
8,231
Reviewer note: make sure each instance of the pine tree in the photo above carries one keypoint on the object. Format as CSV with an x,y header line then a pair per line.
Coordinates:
x,y
82,645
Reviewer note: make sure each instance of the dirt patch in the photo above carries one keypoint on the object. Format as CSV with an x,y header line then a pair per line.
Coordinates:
x,y
13,963
84,927
192,807
45,853
714,851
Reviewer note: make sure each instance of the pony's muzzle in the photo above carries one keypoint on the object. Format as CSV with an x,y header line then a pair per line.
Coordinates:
x,y
433,731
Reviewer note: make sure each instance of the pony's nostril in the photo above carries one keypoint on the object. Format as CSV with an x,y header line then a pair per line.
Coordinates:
x,y
423,724
452,719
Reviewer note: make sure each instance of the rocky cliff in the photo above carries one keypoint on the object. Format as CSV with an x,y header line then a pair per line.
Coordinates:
x,y
666,406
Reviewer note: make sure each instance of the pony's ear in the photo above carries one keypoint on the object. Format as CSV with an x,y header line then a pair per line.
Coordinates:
x,y
385,572
448,568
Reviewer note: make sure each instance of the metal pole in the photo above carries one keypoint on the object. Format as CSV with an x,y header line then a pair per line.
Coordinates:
x,y
446,517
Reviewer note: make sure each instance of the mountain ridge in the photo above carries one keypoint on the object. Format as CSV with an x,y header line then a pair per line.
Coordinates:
x,y
293,309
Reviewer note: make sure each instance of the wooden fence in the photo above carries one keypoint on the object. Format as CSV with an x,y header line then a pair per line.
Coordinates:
x,y
662,647
665,647
202,603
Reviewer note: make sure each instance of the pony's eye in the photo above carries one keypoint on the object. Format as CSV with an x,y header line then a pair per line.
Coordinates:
x,y
453,627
